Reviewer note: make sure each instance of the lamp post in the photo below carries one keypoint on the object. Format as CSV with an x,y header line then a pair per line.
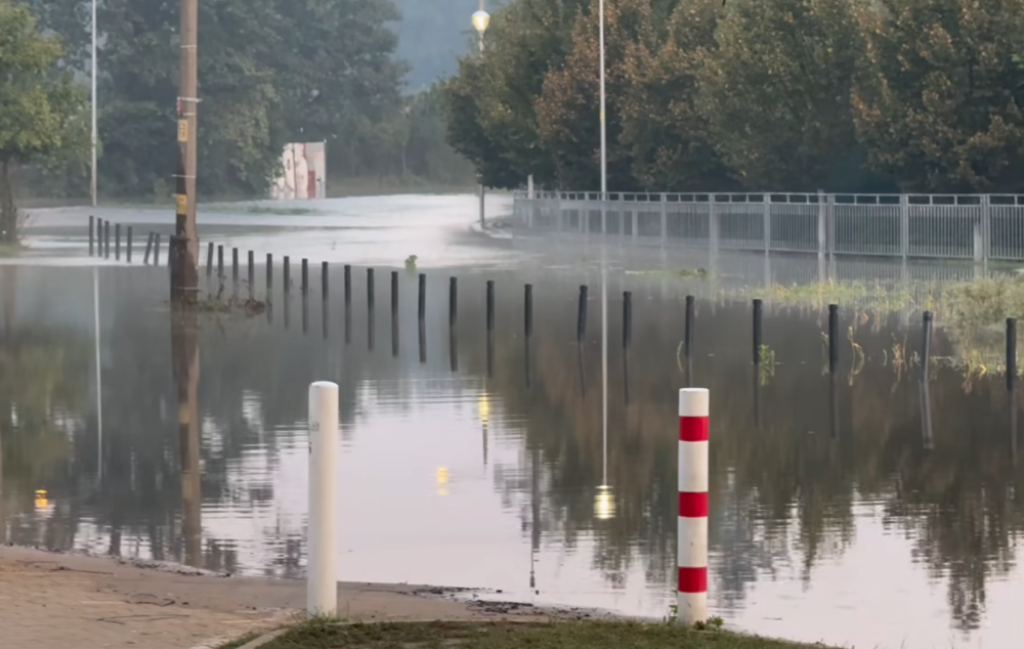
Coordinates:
x,y
93,137
481,19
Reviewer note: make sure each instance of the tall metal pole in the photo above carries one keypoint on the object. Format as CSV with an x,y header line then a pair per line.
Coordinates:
x,y
604,136
185,245
482,191
94,138
604,271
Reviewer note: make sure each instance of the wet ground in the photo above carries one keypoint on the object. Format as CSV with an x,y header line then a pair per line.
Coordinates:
x,y
476,460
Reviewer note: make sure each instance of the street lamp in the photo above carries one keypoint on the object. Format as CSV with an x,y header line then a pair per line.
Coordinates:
x,y
481,19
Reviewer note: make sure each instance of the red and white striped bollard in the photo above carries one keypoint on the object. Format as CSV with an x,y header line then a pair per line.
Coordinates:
x,y
692,553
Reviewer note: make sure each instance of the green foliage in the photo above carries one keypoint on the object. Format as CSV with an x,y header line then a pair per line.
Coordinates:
x,y
942,106
569,105
668,136
270,72
848,95
40,107
776,90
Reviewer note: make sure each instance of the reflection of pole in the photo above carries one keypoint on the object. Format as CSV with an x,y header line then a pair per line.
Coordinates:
x,y
604,372
185,358
535,516
99,378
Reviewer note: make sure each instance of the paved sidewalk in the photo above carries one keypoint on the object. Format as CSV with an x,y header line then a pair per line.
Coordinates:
x,y
53,601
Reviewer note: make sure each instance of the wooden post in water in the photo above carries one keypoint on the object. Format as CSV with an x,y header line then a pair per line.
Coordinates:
x,y
324,289
156,249
128,244
270,274
757,331
287,276
234,272
490,305
252,275
106,239
421,310
149,248
117,242
209,261
1011,353
220,264
305,277
92,227
833,338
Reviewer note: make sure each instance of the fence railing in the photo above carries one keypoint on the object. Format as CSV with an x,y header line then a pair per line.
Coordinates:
x,y
974,227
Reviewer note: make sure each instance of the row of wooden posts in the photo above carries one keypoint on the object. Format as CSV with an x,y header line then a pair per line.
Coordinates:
x,y
100,240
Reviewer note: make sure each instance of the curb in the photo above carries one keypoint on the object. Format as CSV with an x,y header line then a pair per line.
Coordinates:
x,y
263,639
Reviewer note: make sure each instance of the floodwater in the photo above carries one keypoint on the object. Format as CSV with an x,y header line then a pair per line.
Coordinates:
x,y
475,460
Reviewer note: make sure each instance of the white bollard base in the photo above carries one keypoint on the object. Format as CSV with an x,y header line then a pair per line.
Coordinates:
x,y
691,608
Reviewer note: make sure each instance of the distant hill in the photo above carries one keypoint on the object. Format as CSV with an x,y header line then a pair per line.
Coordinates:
x,y
433,34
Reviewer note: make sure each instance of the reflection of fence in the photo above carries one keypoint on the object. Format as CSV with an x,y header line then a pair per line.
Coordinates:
x,y
970,227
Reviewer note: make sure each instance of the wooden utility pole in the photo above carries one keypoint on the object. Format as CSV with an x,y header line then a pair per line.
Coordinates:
x,y
185,243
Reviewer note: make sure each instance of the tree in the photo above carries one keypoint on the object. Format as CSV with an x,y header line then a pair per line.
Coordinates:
x,y
40,108
776,91
666,134
568,109
491,103
942,106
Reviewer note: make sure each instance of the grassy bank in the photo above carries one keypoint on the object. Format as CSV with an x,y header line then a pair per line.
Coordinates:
x,y
514,635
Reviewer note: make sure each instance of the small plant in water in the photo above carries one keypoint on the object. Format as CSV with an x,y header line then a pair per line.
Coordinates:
x,y
410,263
766,368
711,624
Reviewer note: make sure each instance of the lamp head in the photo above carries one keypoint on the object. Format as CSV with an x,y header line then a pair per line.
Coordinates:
x,y
481,19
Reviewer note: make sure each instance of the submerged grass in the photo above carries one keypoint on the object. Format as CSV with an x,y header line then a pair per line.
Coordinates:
x,y
9,250
323,634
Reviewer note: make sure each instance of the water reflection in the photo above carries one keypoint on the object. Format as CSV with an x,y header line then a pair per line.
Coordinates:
x,y
536,481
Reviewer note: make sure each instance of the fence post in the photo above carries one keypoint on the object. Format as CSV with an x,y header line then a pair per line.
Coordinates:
x,y
713,230
692,549
92,226
822,224
980,229
128,244
322,571
767,228
664,219
904,226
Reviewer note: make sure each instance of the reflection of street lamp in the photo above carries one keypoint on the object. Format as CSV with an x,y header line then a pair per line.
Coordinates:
x,y
484,409
604,505
481,19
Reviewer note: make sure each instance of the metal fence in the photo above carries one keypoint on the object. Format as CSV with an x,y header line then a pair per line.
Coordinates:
x,y
975,227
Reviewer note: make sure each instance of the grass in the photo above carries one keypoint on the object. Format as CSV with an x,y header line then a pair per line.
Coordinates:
x,y
8,250
324,634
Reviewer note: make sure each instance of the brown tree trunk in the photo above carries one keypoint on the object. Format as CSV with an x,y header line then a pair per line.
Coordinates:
x,y
8,213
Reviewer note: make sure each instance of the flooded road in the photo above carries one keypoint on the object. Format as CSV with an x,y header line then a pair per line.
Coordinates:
x,y
835,514
361,230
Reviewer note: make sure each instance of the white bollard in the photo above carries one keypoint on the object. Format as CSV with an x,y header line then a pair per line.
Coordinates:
x,y
692,552
322,542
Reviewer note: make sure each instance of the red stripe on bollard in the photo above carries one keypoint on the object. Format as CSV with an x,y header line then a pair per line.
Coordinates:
x,y
693,505
693,580
693,429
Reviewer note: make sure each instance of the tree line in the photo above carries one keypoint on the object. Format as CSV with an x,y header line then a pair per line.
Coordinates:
x,y
784,95
270,72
